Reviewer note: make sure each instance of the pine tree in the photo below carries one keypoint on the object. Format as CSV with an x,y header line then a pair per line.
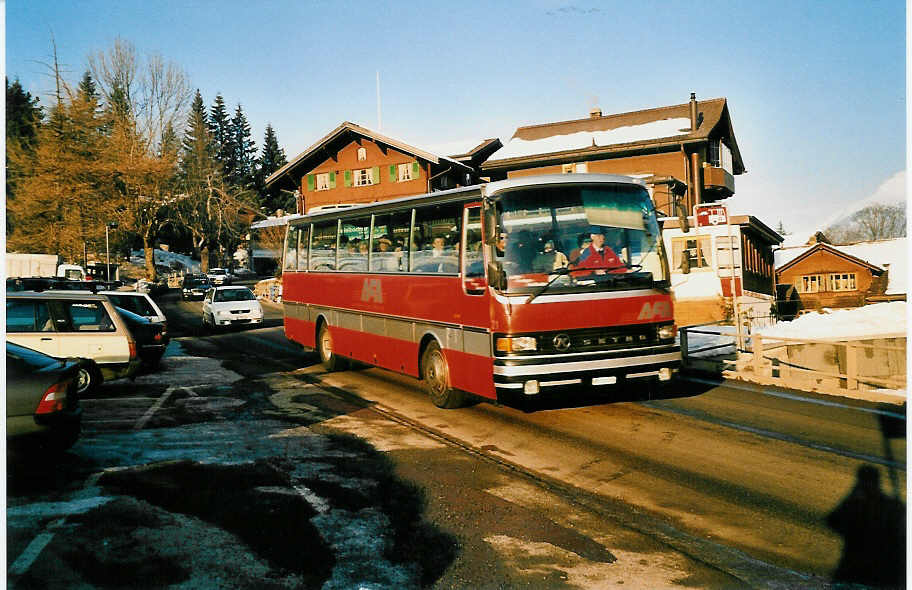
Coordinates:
x,y
87,89
23,114
196,160
272,158
243,152
220,131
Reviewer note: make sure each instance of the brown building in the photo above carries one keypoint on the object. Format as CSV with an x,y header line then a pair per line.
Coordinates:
x,y
686,152
353,165
826,276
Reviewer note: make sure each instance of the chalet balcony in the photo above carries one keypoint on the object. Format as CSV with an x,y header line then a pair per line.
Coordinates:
x,y
718,180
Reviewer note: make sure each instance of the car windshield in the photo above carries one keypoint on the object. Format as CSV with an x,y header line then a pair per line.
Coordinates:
x,y
217,271
588,237
224,295
198,283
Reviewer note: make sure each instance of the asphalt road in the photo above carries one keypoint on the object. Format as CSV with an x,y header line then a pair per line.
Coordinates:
x,y
714,485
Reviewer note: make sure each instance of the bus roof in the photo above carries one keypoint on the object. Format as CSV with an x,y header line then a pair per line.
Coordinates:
x,y
467,193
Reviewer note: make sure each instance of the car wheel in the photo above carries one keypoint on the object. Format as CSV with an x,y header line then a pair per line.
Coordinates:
x,y
435,372
87,379
331,361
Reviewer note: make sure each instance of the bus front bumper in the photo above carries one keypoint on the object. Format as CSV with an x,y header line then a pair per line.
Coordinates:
x,y
532,375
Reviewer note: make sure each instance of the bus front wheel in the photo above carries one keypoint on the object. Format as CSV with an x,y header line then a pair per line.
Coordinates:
x,y
331,361
436,375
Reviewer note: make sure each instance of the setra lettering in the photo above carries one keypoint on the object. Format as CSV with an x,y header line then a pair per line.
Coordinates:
x,y
372,291
653,310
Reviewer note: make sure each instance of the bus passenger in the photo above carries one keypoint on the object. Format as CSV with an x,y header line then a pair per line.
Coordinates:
x,y
550,259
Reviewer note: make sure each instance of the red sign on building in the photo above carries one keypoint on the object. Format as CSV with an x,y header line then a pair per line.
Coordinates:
x,y
709,215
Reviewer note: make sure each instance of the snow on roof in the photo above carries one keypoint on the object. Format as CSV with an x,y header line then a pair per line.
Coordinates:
x,y
871,321
879,253
273,221
517,148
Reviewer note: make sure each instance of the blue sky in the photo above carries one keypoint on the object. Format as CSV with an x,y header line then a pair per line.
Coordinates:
x,y
816,90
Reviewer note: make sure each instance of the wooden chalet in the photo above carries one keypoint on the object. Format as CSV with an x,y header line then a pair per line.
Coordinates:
x,y
686,153
354,165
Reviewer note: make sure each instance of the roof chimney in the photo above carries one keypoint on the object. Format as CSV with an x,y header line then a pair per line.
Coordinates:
x,y
693,112
595,112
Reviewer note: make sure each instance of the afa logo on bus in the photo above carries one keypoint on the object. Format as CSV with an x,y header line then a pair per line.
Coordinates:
x,y
659,309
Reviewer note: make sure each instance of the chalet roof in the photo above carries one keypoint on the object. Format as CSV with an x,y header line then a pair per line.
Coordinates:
x,y
478,154
618,133
824,247
339,138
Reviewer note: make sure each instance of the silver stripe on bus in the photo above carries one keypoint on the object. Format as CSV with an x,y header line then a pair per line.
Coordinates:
x,y
556,383
452,337
524,370
565,297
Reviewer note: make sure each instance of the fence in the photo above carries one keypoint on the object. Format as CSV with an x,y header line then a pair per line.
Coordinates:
x,y
806,364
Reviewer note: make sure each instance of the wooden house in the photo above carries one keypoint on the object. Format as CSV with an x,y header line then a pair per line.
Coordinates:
x,y
354,165
687,153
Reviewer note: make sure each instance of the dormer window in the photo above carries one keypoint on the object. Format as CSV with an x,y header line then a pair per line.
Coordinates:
x,y
362,154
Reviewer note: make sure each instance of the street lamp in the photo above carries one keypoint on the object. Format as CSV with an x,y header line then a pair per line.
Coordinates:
x,y
109,225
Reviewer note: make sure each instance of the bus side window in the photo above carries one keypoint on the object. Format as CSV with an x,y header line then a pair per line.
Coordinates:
x,y
291,248
390,252
303,241
323,249
439,226
356,234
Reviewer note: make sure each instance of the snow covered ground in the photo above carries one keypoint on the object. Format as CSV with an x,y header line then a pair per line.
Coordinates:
x,y
167,259
871,321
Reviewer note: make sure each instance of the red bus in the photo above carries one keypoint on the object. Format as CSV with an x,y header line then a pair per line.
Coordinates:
x,y
501,288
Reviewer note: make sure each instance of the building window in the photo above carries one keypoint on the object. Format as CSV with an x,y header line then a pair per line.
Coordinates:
x,y
842,281
363,177
405,172
323,181
695,250
810,284
362,154
567,169
720,156
582,168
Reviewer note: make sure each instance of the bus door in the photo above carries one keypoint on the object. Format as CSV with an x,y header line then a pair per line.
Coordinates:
x,y
474,283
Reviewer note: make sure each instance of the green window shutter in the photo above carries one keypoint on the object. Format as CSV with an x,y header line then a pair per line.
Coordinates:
x,y
416,171
393,176
332,180
310,182
375,172
348,178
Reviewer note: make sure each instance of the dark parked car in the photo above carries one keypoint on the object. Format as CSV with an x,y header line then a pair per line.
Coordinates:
x,y
29,283
151,339
41,400
195,287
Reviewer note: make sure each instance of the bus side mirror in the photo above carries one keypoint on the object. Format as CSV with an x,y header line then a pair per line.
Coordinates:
x,y
685,263
496,276
490,226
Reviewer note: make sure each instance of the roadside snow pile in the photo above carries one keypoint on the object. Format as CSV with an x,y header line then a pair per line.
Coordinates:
x,y
871,321
171,259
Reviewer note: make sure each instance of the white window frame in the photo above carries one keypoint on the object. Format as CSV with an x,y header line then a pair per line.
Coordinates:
x,y
810,283
322,183
362,177
405,172
843,281
362,154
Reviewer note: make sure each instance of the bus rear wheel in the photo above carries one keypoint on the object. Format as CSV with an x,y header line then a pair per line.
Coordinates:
x,y
436,375
331,361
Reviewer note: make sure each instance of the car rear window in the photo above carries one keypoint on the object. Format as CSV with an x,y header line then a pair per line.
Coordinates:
x,y
136,304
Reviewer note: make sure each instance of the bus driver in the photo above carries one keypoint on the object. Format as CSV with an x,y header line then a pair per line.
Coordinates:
x,y
599,256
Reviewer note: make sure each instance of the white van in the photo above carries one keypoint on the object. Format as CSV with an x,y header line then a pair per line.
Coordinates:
x,y
66,324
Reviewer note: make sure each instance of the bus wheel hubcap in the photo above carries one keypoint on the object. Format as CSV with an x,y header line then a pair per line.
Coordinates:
x,y
436,372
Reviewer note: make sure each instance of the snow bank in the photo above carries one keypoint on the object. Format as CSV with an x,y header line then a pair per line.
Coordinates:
x,y
871,321
166,259
696,284
586,139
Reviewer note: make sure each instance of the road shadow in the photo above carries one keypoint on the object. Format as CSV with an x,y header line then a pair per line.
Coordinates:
x,y
558,398
871,522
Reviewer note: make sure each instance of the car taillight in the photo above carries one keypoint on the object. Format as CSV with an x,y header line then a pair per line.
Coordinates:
x,y
54,399
157,337
133,354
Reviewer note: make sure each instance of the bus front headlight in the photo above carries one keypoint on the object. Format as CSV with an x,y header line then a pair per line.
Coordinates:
x,y
667,332
516,344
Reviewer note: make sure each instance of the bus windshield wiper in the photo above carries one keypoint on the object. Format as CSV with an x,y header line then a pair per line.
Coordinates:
x,y
608,268
557,272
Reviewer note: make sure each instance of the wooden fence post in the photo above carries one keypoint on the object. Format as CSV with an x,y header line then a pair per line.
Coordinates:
x,y
683,336
851,366
757,343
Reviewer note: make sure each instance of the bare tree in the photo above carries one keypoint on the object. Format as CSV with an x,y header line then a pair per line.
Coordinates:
x,y
876,222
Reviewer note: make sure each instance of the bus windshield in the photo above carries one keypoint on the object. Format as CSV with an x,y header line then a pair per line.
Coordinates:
x,y
578,238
